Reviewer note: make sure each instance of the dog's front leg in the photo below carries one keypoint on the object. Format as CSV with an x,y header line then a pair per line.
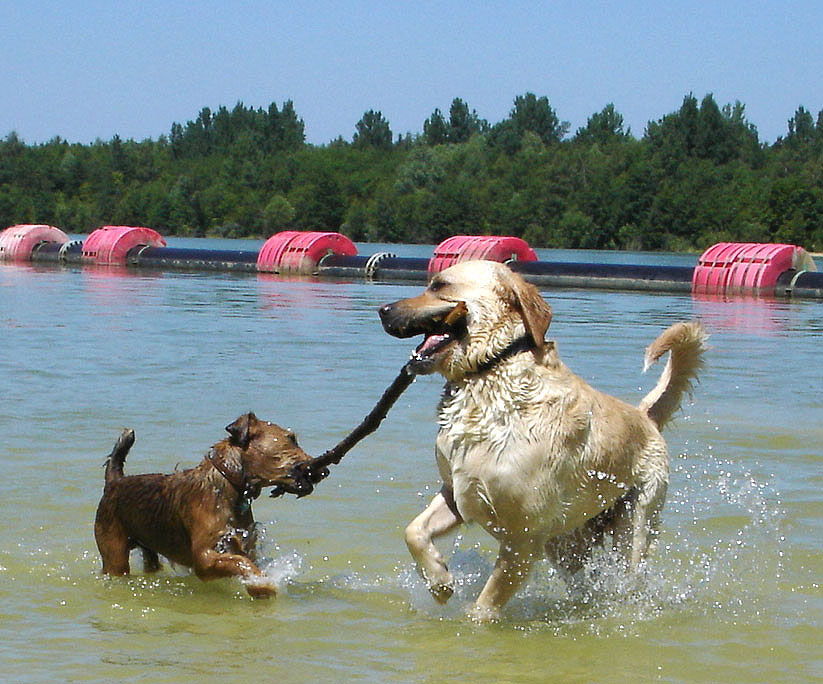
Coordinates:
x,y
439,518
212,564
514,562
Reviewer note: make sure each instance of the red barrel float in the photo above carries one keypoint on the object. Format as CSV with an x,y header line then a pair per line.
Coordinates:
x,y
294,251
746,267
488,247
111,244
18,242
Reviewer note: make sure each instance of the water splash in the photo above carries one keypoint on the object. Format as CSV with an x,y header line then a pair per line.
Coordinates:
x,y
280,570
720,553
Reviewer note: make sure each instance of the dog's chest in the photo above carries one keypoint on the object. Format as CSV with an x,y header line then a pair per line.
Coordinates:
x,y
500,413
485,452
468,417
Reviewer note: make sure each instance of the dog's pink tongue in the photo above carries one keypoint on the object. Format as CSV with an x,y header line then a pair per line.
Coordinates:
x,y
431,344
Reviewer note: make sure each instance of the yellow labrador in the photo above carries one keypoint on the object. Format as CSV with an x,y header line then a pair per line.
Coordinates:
x,y
527,449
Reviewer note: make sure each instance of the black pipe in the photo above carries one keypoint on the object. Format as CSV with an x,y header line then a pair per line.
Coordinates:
x,y
546,273
404,268
341,266
56,252
200,259
611,276
386,266
47,251
803,284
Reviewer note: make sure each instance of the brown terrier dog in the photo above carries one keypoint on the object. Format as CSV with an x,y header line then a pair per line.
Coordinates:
x,y
201,517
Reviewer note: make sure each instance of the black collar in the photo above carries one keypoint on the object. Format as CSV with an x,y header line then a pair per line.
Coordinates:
x,y
521,344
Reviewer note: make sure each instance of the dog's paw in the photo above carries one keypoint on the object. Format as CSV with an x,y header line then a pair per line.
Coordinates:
x,y
261,587
483,614
441,592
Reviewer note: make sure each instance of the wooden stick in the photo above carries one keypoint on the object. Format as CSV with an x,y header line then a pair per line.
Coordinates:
x,y
370,423
317,468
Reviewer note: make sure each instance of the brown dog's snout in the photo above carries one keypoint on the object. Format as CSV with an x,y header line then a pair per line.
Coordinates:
x,y
271,455
302,479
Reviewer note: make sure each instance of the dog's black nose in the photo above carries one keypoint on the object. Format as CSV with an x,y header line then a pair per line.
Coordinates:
x,y
393,320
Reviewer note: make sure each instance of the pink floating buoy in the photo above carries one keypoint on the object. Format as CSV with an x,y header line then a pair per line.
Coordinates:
x,y
488,247
18,242
746,267
293,251
111,244
711,275
268,259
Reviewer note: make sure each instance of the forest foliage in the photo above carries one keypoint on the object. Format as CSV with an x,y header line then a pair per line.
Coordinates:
x,y
697,176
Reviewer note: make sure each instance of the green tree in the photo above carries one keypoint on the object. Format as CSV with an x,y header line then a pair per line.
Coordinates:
x,y
318,201
278,213
603,127
743,135
530,114
289,130
801,127
435,129
535,114
463,124
698,175
373,131
795,212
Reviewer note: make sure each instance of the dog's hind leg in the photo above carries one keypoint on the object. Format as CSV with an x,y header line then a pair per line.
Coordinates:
x,y
636,527
514,562
113,544
439,518
569,552
151,561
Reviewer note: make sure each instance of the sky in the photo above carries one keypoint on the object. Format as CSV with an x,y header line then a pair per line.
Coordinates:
x,y
92,69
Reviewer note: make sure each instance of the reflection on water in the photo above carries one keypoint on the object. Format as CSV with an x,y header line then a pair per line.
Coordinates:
x,y
732,593
755,316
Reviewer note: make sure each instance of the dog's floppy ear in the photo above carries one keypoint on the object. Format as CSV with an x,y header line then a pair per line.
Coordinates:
x,y
239,430
536,313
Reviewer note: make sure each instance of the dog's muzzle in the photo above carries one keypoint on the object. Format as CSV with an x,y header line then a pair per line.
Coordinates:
x,y
303,478
397,322
440,327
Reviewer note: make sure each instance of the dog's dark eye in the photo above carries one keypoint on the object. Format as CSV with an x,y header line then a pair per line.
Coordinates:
x,y
436,285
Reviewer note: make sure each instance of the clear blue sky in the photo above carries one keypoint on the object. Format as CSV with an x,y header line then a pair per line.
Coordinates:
x,y
91,69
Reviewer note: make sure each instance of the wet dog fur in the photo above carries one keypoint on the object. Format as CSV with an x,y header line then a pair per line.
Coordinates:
x,y
526,448
201,517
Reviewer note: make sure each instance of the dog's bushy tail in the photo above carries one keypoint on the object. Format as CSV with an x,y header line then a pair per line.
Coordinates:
x,y
117,457
686,343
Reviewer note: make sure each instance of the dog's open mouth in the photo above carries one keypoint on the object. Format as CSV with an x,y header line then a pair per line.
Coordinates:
x,y
301,481
424,356
299,487
450,330
441,325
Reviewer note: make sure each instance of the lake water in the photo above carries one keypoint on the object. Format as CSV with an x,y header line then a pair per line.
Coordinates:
x,y
732,595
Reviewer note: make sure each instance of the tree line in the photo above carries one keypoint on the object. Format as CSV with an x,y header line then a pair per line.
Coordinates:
x,y
697,176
